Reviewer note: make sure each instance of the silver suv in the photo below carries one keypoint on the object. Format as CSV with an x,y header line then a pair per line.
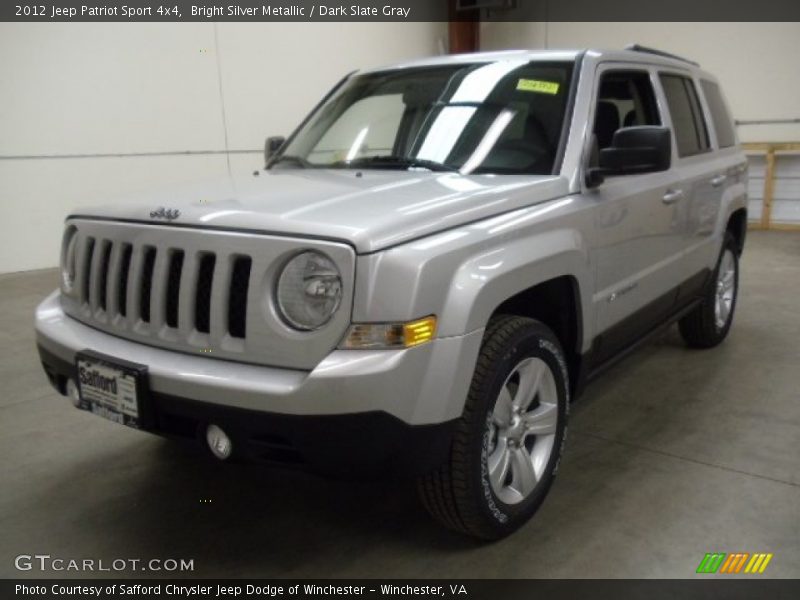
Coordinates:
x,y
423,276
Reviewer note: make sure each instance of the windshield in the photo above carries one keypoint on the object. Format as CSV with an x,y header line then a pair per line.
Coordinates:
x,y
502,117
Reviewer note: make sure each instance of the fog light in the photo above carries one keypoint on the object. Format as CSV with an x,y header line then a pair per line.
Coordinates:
x,y
73,393
218,442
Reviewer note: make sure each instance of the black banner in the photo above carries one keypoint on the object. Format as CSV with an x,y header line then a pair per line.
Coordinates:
x,y
489,589
401,10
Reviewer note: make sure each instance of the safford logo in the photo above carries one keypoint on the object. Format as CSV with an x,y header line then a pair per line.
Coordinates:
x,y
165,213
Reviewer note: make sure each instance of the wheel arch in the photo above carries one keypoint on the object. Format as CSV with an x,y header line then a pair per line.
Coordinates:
x,y
737,226
557,304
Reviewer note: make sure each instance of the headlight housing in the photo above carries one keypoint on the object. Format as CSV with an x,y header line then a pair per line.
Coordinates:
x,y
309,291
69,258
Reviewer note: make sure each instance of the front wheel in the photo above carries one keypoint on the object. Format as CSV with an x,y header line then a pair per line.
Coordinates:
x,y
708,324
508,442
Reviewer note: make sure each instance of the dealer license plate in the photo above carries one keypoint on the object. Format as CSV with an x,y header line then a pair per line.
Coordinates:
x,y
110,389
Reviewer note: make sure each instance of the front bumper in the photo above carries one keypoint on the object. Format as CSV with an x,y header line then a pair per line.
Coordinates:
x,y
390,404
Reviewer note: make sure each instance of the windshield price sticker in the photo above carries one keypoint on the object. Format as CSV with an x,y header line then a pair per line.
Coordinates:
x,y
536,85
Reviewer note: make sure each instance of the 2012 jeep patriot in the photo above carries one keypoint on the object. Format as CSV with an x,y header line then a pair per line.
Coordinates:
x,y
422,277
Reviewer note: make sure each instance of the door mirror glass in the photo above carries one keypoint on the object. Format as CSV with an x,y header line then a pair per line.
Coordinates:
x,y
633,151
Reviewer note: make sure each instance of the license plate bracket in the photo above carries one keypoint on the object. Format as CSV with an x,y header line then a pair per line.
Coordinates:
x,y
112,388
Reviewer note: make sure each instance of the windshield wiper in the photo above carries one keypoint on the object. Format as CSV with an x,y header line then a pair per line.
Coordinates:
x,y
399,162
290,158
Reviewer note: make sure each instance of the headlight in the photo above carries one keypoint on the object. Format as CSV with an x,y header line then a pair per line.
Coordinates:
x,y
69,258
309,290
385,336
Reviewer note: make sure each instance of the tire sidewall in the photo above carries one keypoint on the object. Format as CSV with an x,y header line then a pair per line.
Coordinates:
x,y
728,244
538,342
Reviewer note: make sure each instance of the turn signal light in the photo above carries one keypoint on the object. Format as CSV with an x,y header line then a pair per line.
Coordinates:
x,y
376,336
419,332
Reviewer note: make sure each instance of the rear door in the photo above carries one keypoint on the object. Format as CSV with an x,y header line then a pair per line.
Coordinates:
x,y
704,176
727,169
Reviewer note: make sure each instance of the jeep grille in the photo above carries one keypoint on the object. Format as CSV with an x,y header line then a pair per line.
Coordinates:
x,y
196,290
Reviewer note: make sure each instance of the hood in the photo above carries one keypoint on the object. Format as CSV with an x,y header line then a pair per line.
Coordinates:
x,y
368,209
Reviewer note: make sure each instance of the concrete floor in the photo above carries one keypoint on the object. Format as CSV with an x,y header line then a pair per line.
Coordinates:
x,y
672,454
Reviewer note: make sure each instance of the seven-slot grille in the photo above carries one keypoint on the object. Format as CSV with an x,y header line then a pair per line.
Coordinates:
x,y
195,290
160,286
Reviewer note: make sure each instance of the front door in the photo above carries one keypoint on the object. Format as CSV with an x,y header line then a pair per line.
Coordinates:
x,y
640,220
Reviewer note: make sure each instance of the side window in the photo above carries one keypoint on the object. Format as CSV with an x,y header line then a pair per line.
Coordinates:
x,y
625,99
691,133
723,124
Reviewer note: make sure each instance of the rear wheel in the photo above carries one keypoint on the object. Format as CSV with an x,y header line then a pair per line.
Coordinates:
x,y
509,440
708,324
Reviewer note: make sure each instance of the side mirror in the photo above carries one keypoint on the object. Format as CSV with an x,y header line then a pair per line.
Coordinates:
x,y
633,150
271,147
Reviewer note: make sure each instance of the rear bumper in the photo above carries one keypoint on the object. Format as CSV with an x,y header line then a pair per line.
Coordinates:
x,y
357,409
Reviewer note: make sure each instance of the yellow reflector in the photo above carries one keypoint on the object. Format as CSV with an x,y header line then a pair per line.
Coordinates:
x,y
419,332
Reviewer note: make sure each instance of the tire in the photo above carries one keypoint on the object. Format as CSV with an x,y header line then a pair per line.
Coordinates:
x,y
470,493
708,324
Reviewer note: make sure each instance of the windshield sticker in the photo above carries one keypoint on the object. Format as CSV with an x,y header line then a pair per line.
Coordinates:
x,y
535,85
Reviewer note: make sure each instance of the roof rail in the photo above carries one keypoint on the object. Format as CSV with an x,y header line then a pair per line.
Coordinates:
x,y
638,48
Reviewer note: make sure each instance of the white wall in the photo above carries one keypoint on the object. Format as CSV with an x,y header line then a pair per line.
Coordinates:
x,y
755,62
76,88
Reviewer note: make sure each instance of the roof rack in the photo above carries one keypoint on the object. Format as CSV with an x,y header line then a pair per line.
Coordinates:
x,y
638,48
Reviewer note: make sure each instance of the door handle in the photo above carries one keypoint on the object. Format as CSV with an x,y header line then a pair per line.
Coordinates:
x,y
672,196
718,180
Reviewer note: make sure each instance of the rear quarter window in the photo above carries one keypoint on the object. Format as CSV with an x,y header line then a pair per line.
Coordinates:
x,y
720,116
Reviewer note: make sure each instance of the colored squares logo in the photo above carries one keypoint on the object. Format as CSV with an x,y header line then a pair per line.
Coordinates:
x,y
711,562
735,562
